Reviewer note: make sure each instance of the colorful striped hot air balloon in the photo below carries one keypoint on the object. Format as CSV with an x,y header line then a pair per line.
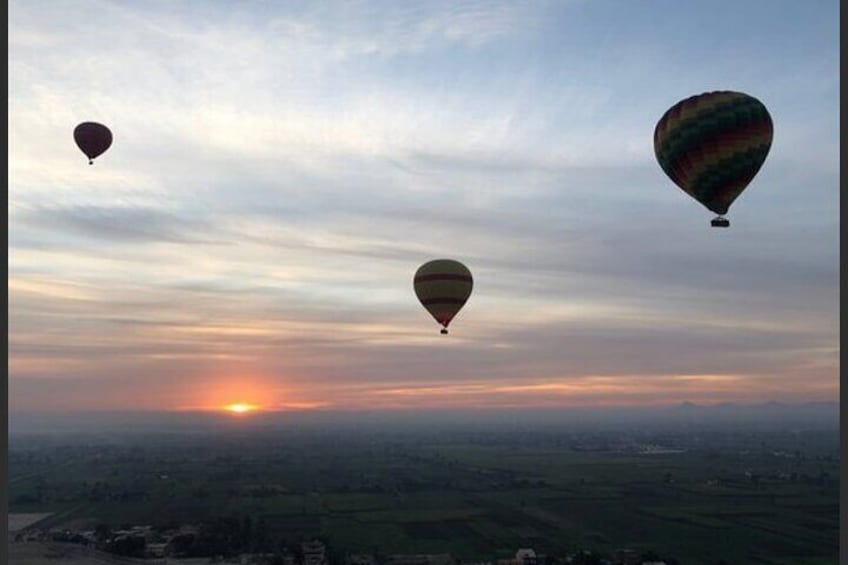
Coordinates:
x,y
712,145
443,287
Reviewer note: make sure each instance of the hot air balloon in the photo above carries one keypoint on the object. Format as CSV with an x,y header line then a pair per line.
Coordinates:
x,y
712,145
93,139
443,287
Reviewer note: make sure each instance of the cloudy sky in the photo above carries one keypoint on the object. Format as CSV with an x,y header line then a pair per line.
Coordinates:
x,y
280,170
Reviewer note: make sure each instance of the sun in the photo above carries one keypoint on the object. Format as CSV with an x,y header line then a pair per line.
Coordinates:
x,y
240,408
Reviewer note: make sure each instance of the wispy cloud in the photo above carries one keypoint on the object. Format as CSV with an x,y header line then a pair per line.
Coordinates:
x,y
121,224
280,171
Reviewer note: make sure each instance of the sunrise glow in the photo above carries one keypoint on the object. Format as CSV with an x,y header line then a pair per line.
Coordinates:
x,y
240,408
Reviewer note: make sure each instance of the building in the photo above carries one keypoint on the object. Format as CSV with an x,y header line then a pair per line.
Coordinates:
x,y
421,559
361,559
526,557
314,553
157,550
626,557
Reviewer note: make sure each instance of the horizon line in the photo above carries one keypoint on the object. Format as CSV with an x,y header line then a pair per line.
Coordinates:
x,y
412,411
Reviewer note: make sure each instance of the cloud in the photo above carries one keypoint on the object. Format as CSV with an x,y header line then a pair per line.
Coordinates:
x,y
280,171
123,224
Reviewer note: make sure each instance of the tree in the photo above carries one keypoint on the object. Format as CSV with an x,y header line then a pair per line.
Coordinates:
x,y
586,558
102,532
650,556
131,546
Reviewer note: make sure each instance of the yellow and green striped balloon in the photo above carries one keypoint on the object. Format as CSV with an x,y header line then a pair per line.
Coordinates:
x,y
713,144
443,287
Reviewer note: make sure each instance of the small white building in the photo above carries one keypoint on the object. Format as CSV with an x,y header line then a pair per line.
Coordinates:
x,y
525,556
361,559
157,550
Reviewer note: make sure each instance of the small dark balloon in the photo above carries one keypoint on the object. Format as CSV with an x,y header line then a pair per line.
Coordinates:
x,y
92,139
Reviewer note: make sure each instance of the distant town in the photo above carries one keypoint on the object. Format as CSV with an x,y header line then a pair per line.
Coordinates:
x,y
192,544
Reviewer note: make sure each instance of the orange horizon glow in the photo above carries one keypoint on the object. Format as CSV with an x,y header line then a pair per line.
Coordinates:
x,y
240,408
253,395
595,391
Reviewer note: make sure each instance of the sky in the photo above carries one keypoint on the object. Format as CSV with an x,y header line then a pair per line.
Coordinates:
x,y
280,170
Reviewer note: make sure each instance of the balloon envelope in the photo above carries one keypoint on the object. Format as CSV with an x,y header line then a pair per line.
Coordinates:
x,y
713,144
443,287
92,138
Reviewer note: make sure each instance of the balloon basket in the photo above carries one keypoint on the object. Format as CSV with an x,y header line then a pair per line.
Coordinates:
x,y
720,222
444,332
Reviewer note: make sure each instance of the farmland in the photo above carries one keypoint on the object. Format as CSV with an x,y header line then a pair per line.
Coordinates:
x,y
770,497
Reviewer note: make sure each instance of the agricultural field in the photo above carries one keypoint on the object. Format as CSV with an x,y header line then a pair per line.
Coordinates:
x,y
769,498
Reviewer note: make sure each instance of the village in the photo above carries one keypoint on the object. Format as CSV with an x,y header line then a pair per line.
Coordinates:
x,y
144,544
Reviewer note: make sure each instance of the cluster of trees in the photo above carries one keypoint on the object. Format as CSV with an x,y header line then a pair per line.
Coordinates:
x,y
129,546
226,536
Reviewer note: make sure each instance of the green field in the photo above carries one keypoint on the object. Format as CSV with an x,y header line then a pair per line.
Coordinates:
x,y
733,500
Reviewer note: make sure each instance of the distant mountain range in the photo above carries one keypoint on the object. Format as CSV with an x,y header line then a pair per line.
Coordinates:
x,y
779,412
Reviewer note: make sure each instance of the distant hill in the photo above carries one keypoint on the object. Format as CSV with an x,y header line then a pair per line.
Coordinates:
x,y
778,414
